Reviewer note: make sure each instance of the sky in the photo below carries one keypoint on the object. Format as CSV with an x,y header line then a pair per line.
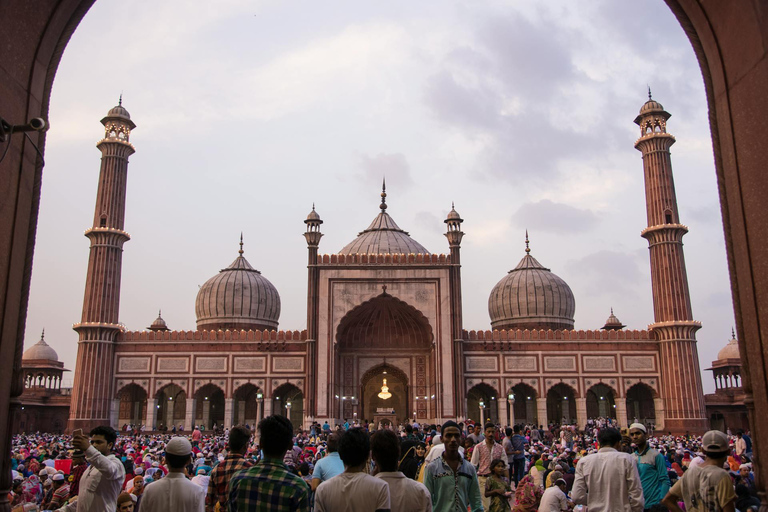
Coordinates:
x,y
248,112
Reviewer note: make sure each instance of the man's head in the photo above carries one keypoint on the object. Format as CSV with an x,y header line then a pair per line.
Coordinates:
x,y
239,437
478,429
354,447
638,434
609,438
451,437
124,503
715,445
490,431
276,436
508,431
744,470
385,449
333,443
58,480
103,439
516,429
178,453
561,484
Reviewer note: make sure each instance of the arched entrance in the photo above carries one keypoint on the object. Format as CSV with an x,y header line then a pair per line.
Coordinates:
x,y
523,397
374,403
382,328
209,407
561,404
600,402
249,405
133,405
171,407
640,406
482,404
288,400
717,421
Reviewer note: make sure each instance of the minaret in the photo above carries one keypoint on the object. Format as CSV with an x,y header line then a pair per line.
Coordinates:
x,y
92,391
454,236
673,325
313,236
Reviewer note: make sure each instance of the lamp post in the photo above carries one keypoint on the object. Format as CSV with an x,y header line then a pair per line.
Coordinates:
x,y
511,402
481,405
288,409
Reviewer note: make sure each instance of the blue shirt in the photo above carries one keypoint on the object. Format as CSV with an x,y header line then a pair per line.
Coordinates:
x,y
518,444
653,475
452,492
328,467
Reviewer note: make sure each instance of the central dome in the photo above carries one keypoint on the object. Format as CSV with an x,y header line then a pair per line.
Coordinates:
x,y
239,297
383,236
730,351
531,297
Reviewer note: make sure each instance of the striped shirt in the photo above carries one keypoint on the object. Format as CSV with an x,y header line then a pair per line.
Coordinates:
x,y
220,476
268,487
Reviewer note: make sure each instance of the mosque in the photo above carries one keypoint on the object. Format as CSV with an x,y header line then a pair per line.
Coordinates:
x,y
385,340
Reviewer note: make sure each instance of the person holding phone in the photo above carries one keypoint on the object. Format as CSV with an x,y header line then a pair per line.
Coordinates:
x,y
102,482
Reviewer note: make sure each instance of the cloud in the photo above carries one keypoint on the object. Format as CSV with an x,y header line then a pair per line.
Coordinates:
x,y
552,217
608,272
429,222
392,166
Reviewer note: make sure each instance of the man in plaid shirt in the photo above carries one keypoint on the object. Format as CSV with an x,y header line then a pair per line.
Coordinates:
x,y
269,486
239,437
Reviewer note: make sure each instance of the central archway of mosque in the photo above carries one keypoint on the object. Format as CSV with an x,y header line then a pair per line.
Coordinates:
x,y
384,337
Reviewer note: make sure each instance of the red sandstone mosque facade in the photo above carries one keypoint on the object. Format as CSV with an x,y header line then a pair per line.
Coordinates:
x,y
385,312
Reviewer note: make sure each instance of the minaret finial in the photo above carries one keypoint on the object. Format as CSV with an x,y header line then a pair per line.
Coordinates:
x,y
527,248
159,312
313,206
120,103
383,205
452,206
241,244
42,336
733,333
649,93
611,310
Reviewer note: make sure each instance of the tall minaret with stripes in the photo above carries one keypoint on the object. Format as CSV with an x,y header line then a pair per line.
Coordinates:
x,y
675,329
92,392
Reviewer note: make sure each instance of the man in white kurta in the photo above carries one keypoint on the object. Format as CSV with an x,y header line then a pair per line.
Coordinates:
x,y
102,482
175,493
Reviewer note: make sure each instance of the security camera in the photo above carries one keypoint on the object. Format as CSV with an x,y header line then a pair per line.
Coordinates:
x,y
36,124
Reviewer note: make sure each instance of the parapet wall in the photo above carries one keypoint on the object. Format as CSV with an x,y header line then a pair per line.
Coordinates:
x,y
383,259
212,335
558,335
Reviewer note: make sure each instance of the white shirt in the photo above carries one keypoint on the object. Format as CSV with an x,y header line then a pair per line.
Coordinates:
x,y
174,493
350,492
553,500
201,480
100,484
613,478
405,494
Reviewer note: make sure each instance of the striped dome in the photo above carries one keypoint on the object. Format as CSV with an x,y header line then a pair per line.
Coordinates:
x,y
531,297
239,297
383,236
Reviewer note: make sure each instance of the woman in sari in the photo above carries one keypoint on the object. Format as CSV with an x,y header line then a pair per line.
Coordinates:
x,y
527,495
537,472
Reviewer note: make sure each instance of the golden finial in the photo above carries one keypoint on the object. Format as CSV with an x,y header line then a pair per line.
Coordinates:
x,y
383,205
527,248
241,244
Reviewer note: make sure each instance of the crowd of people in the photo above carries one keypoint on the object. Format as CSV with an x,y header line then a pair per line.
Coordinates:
x,y
454,467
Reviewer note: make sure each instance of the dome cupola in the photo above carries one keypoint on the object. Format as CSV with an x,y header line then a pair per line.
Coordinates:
x,y
239,297
383,236
730,350
613,323
159,323
530,296
40,351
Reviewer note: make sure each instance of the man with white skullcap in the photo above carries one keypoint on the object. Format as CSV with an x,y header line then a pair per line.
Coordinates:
x,y
175,493
60,491
651,466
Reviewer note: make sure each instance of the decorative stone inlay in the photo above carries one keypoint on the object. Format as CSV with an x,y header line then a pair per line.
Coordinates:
x,y
203,364
134,364
482,364
199,383
639,363
161,383
288,364
250,364
560,363
173,364
366,363
599,363
143,383
518,364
